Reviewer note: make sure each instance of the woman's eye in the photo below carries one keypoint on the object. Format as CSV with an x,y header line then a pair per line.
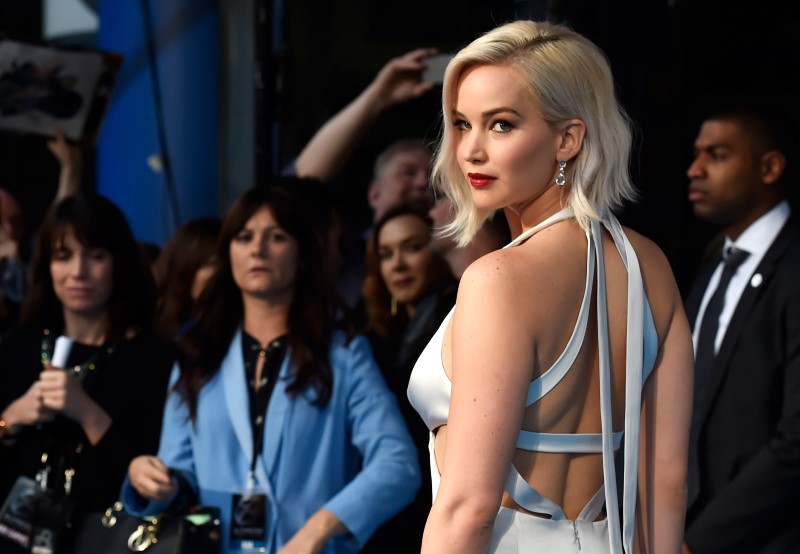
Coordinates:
x,y
462,124
502,126
98,254
60,254
244,236
416,246
384,255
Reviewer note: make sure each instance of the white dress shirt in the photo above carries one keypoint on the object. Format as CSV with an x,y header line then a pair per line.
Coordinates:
x,y
756,240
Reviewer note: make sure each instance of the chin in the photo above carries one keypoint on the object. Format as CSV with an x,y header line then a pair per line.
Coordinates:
x,y
485,201
705,213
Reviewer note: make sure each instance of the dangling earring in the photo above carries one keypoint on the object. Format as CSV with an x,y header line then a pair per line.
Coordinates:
x,y
561,179
393,306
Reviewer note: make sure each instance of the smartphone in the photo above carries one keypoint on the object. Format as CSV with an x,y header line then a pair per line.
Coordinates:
x,y
434,68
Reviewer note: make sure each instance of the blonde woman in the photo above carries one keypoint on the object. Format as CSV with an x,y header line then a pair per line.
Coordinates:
x,y
567,343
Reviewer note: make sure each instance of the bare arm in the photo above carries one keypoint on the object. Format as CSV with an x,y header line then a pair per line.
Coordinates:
x,y
666,416
484,421
332,146
70,160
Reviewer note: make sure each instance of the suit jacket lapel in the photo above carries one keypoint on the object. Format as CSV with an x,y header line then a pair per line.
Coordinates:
x,y
235,385
278,412
750,295
236,397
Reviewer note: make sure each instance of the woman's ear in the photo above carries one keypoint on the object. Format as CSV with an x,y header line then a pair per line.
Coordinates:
x,y
571,139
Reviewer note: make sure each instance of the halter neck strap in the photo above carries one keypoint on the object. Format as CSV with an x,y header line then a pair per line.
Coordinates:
x,y
565,213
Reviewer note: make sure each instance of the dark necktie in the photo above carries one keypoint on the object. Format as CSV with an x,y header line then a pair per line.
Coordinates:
x,y
705,355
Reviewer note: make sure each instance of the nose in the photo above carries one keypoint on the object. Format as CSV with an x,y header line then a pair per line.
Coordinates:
x,y
260,246
695,169
78,265
397,262
471,148
420,179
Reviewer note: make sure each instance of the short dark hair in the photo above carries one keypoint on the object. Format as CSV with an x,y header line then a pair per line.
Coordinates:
x,y
401,145
768,122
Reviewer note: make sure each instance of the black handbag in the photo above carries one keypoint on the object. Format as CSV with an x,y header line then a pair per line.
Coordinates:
x,y
117,532
35,518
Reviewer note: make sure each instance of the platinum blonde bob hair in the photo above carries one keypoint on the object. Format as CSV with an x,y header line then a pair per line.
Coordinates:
x,y
567,77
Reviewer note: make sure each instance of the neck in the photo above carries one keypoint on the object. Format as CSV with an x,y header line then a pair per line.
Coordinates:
x,y
536,210
86,329
265,321
735,230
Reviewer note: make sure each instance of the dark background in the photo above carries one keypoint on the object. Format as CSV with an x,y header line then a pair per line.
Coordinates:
x,y
668,59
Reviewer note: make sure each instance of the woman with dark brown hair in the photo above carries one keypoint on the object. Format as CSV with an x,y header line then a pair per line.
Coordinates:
x,y
408,290
182,269
274,410
78,424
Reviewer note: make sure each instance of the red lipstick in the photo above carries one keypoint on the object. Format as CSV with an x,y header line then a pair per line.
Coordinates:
x,y
479,180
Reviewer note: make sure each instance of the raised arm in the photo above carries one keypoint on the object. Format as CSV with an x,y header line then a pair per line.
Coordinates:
x,y
70,160
400,80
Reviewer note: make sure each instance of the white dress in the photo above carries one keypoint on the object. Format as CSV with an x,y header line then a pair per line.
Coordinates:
x,y
514,531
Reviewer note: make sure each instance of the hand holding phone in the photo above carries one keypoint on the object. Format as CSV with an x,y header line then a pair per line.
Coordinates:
x,y
435,67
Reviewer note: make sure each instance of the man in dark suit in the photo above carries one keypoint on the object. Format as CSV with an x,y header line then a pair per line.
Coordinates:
x,y
744,467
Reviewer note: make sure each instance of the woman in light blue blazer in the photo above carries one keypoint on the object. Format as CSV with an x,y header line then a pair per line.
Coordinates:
x,y
273,409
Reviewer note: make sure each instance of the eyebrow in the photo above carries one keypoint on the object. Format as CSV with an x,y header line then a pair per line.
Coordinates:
x,y
415,236
489,113
267,228
713,146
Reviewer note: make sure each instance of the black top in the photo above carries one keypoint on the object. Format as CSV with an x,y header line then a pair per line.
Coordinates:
x,y
396,356
129,381
260,394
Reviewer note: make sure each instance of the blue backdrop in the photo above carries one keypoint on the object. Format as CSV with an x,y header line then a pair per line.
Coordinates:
x,y
185,34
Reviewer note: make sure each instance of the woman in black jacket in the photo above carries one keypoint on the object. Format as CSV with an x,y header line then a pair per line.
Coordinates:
x,y
79,424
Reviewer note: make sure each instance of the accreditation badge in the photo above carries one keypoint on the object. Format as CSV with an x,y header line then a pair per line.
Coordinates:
x,y
249,521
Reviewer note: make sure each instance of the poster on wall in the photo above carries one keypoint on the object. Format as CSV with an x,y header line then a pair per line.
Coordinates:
x,y
44,88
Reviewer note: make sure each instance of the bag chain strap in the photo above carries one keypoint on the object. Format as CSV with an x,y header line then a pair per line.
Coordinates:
x,y
145,535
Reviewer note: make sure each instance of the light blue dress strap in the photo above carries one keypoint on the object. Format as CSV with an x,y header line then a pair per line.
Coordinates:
x,y
519,489
634,361
593,507
550,378
633,382
606,424
527,497
542,385
566,213
607,441
575,443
